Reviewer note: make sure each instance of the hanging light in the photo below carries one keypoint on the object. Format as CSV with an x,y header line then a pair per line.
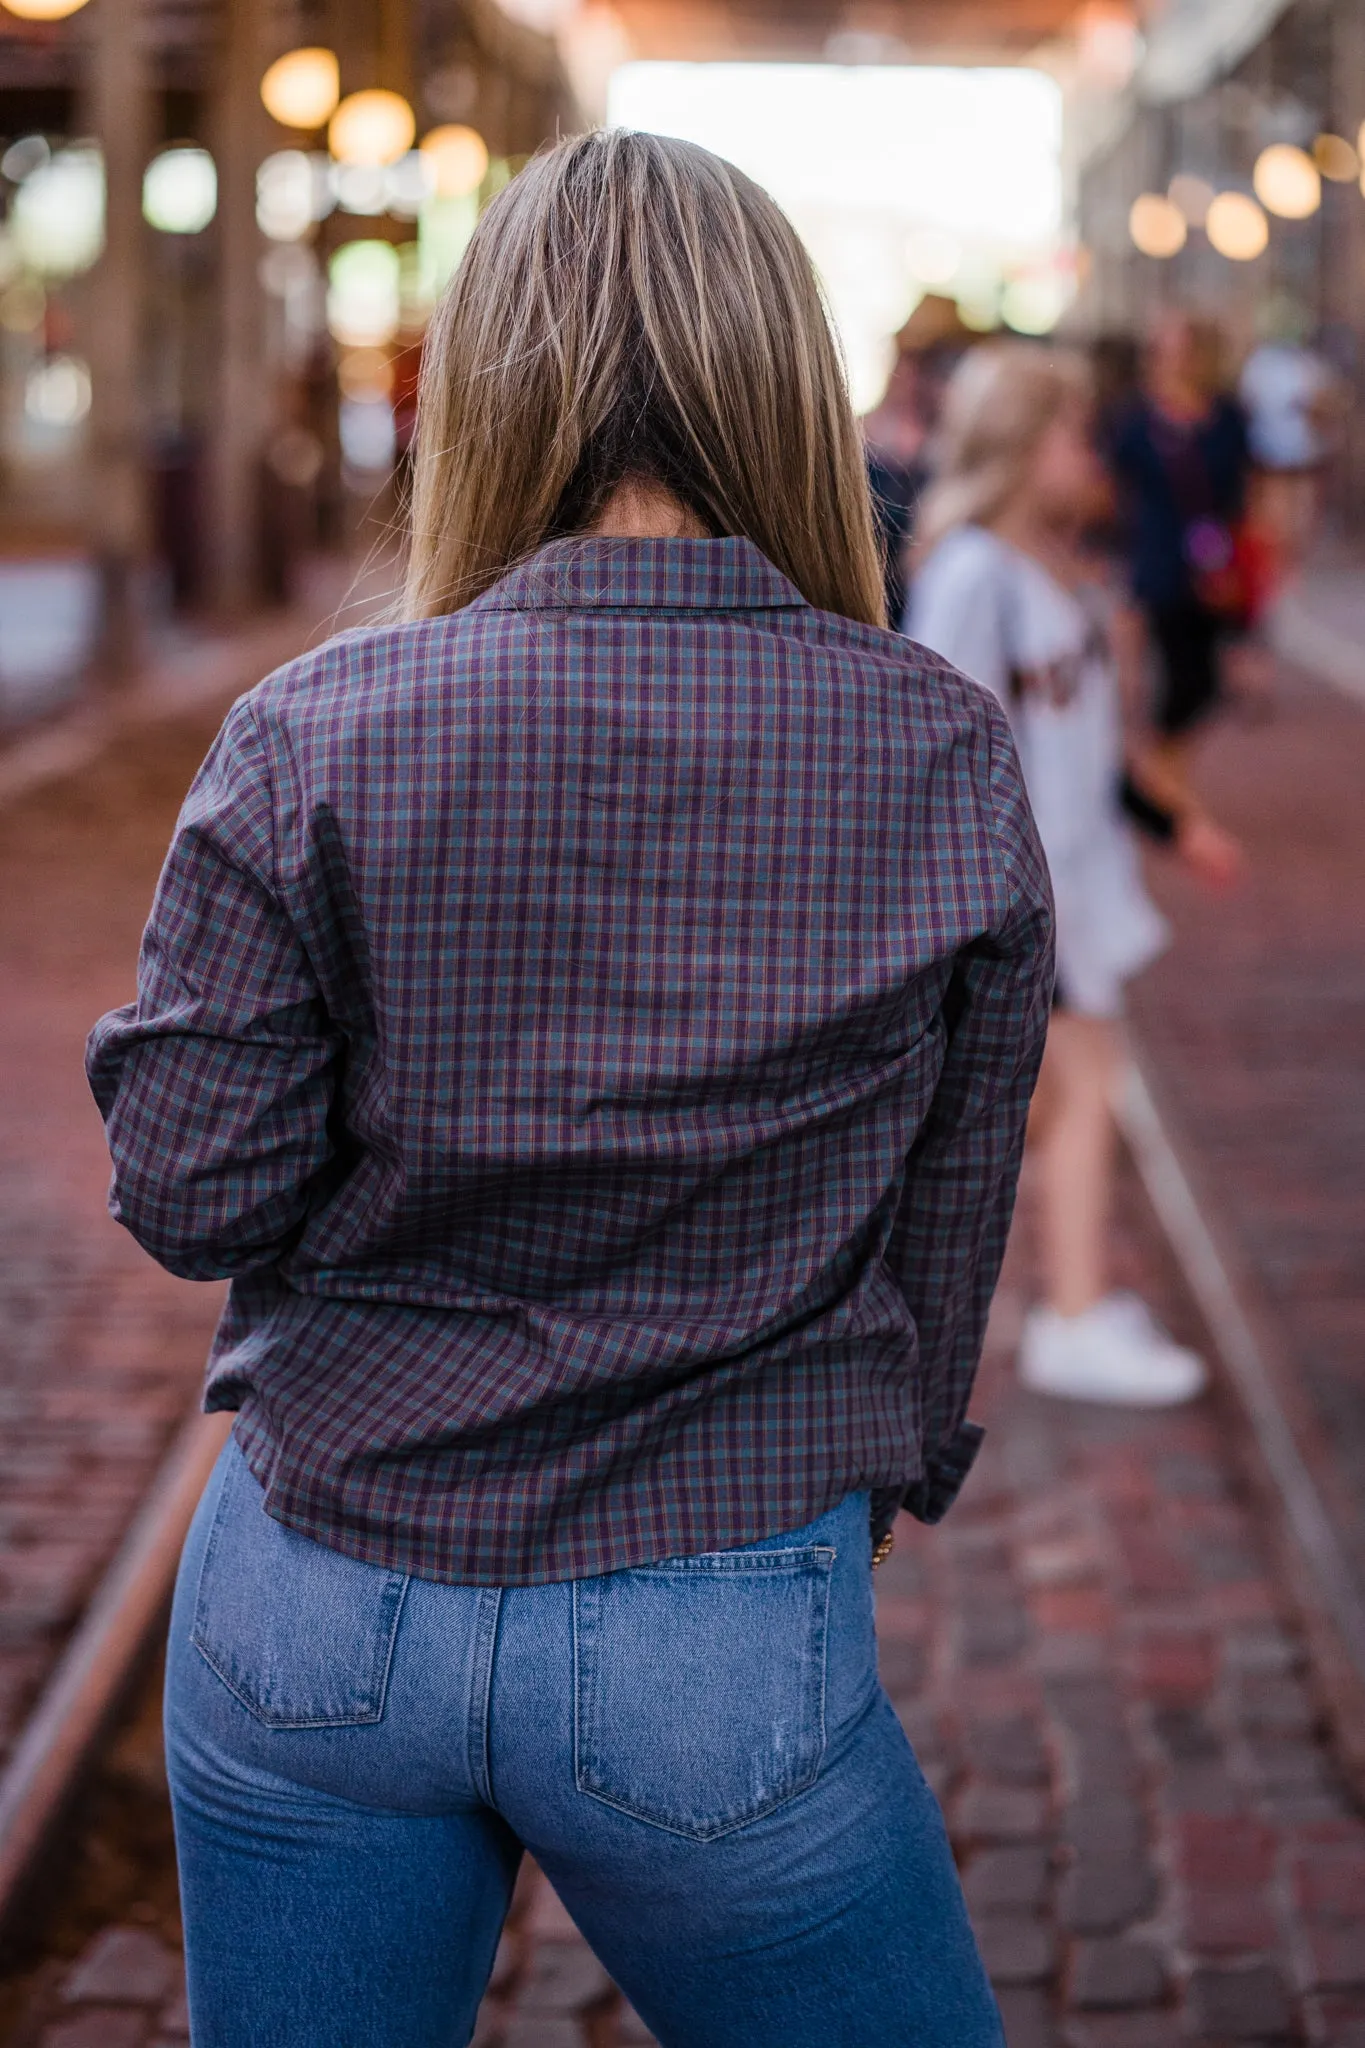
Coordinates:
x,y
180,191
1156,225
457,158
1236,227
57,215
1287,181
301,89
372,128
1034,304
1336,158
43,10
1193,196
362,294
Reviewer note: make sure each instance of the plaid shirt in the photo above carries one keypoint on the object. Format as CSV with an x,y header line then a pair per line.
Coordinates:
x,y
593,1032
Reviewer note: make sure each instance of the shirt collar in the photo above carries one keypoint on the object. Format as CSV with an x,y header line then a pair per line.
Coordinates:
x,y
643,575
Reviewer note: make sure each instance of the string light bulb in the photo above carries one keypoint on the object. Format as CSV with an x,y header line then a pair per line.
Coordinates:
x,y
1287,181
301,89
1236,227
1156,225
371,129
42,10
1336,158
457,159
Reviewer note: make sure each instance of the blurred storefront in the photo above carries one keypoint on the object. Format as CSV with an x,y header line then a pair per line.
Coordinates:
x,y
222,226
1226,177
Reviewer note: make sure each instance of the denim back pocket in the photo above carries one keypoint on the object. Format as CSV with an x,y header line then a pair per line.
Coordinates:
x,y
700,1686
300,1634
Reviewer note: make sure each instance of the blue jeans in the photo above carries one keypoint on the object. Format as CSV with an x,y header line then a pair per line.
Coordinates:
x,y
697,1753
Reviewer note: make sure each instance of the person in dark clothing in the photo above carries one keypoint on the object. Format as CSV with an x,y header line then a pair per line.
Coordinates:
x,y
1180,456
899,432
896,485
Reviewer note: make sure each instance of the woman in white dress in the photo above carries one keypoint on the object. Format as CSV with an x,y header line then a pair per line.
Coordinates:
x,y
1006,591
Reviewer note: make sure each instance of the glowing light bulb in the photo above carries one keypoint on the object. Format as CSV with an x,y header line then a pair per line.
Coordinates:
x,y
1156,225
43,10
457,158
301,89
1236,227
1287,181
57,215
1336,158
362,294
180,191
371,129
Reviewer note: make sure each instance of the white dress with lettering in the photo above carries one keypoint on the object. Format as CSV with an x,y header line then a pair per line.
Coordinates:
x,y
996,614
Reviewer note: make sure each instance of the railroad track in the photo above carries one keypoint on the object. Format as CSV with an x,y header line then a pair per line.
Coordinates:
x,y
75,1708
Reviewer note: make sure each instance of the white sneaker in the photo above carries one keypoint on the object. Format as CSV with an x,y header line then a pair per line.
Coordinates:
x,y
1115,1351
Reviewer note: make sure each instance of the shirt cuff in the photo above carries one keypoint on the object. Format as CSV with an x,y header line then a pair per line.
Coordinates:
x,y
934,1492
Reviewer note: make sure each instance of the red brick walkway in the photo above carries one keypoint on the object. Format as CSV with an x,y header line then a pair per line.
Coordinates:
x,y
1261,1049
100,1351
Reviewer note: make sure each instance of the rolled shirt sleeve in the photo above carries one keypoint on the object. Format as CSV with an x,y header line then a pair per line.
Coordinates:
x,y
216,1084
954,1215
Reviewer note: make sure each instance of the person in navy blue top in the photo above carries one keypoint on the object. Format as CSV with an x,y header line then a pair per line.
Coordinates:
x,y
1179,453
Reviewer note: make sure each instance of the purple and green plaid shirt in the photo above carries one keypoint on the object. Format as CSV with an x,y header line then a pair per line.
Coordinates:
x,y
593,1032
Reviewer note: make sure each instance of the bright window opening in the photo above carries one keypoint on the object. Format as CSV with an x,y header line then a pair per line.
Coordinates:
x,y
901,179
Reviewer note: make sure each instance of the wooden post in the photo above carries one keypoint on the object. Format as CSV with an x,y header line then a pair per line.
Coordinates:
x,y
119,113
242,136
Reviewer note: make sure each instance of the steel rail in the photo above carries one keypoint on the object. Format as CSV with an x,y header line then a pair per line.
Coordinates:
x,y
72,1711
1244,1328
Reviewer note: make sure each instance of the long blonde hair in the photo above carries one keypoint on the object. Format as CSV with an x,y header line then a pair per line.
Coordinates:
x,y
632,306
1000,402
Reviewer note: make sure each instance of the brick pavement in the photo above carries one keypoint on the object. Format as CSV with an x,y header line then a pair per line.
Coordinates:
x,y
1261,1053
1104,1684
100,1351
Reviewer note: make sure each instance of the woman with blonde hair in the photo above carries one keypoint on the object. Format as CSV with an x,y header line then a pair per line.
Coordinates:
x,y
1007,591
591,1022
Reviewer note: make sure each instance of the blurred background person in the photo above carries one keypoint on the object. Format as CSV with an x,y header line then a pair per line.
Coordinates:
x,y
1181,458
1292,399
900,430
1116,378
1008,591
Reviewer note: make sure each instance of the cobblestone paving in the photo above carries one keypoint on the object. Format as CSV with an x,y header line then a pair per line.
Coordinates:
x,y
100,1351
1262,1051
1104,1686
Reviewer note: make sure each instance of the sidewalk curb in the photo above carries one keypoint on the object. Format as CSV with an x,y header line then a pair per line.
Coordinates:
x,y
211,674
201,674
1254,1356
72,1711
1299,636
